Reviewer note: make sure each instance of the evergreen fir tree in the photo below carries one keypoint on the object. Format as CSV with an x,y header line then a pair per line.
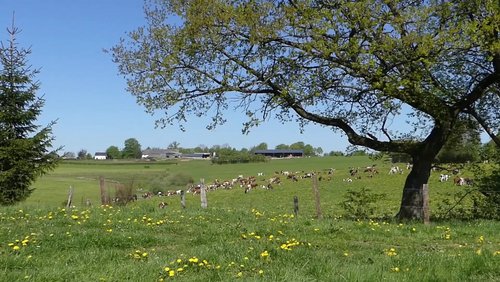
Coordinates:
x,y
25,148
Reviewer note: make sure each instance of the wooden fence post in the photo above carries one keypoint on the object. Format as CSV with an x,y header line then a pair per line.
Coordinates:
x,y
296,206
183,199
425,204
70,197
104,200
316,197
203,194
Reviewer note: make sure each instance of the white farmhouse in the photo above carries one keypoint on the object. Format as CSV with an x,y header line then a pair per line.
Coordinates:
x,y
100,156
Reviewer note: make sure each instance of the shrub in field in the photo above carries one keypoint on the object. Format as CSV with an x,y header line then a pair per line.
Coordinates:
x,y
489,185
360,204
167,181
470,204
179,179
124,194
238,157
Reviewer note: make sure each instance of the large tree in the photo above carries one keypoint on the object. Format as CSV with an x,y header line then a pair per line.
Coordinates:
x,y
362,67
112,152
463,145
132,149
25,148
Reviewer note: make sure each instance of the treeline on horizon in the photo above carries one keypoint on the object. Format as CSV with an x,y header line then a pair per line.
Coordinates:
x,y
464,147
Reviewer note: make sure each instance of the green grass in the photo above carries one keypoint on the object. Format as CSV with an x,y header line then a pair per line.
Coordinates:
x,y
241,237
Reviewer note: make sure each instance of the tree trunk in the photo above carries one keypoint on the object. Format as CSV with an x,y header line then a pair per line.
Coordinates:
x,y
412,201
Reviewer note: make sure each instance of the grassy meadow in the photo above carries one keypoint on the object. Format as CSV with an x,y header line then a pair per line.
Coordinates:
x,y
240,236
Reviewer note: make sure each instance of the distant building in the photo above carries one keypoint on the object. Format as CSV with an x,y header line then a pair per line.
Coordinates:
x,y
281,153
100,156
196,156
160,154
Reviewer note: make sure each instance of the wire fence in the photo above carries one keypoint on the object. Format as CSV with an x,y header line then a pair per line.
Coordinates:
x,y
116,192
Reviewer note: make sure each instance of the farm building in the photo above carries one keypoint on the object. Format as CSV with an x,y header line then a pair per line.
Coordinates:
x,y
196,156
280,153
160,154
100,156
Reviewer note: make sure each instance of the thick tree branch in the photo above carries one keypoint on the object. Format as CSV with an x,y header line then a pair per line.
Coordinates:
x,y
484,125
478,91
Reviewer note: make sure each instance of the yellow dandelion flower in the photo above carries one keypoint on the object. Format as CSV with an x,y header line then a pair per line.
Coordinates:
x,y
240,274
496,253
171,273
16,248
261,272
391,252
167,269
395,269
480,239
193,260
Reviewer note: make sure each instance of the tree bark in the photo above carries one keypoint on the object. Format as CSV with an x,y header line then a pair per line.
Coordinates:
x,y
412,202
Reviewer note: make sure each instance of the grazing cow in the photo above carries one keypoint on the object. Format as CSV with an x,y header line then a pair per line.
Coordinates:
x,y
459,181
468,181
292,177
395,169
443,177
194,189
353,171
347,180
285,173
409,166
162,205
275,180
250,186
370,169
172,193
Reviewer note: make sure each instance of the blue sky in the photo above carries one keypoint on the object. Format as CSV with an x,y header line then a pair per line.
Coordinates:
x,y
87,97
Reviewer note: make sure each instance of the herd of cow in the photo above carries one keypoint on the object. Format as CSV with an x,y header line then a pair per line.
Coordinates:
x,y
261,182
